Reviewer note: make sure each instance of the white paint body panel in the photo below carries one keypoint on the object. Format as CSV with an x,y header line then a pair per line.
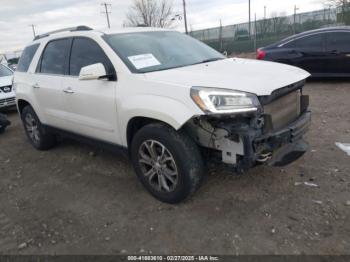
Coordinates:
x,y
6,80
102,109
253,76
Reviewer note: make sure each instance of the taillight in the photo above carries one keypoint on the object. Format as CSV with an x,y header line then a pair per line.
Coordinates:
x,y
260,55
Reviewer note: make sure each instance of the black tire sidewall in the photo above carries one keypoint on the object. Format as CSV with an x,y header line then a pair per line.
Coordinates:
x,y
186,161
47,140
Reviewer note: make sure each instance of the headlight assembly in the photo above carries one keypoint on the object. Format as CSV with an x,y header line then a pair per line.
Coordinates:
x,y
224,101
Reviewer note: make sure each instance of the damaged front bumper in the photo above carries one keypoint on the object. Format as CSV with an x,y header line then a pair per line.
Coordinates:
x,y
272,137
282,147
278,148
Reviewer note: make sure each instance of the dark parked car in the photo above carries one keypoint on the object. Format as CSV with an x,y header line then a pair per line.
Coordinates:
x,y
323,52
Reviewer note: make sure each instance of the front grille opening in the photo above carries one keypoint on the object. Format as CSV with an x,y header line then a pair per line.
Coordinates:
x,y
7,101
284,110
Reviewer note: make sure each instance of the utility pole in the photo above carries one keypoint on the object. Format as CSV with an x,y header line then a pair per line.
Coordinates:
x,y
264,24
185,16
33,28
106,6
220,36
250,22
295,16
255,34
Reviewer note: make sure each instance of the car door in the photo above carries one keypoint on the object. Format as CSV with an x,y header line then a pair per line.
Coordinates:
x,y
90,104
338,52
47,81
310,53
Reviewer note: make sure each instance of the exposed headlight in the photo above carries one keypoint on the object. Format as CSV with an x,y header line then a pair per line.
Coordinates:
x,y
224,101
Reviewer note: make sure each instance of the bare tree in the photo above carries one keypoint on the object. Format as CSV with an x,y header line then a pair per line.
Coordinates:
x,y
154,13
337,3
279,22
344,6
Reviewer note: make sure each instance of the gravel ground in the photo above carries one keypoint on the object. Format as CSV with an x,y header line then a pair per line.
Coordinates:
x,y
77,199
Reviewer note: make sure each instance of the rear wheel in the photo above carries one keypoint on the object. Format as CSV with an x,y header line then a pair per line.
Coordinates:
x,y
167,162
37,134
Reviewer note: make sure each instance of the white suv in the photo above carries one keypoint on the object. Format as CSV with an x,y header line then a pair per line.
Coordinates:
x,y
172,102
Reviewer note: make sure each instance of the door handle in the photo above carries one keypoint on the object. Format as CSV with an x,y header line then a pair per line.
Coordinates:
x,y
68,90
36,85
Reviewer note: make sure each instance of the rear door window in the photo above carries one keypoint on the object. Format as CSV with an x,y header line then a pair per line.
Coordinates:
x,y
338,41
54,60
26,58
313,42
87,52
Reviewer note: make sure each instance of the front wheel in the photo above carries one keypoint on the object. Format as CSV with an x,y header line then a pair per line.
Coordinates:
x,y
37,134
168,163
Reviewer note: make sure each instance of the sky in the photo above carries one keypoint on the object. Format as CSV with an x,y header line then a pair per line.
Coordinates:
x,y
16,16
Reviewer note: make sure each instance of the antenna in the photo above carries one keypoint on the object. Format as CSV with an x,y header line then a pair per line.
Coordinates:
x,y
33,28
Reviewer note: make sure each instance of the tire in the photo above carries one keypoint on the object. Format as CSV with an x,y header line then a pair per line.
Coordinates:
x,y
38,135
168,163
2,130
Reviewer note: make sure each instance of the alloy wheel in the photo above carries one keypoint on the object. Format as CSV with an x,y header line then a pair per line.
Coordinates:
x,y
158,166
32,128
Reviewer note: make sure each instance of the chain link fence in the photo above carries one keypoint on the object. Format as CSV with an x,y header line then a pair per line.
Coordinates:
x,y
239,38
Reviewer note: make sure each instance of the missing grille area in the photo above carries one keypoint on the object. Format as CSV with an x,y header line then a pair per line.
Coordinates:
x,y
284,110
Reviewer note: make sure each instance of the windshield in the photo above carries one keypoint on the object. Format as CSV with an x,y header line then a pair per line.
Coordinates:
x,y
145,52
4,71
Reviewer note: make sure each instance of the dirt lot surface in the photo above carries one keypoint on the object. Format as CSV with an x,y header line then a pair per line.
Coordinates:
x,y
77,199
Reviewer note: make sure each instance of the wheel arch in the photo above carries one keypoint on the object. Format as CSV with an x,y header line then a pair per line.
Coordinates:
x,y
138,122
141,110
21,104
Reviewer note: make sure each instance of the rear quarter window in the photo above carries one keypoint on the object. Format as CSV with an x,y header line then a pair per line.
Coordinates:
x,y
290,44
27,57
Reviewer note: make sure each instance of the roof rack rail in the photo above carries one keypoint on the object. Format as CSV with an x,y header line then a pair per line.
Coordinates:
x,y
69,29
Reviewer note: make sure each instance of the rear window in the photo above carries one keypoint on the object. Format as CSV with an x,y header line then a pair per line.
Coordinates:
x,y
27,57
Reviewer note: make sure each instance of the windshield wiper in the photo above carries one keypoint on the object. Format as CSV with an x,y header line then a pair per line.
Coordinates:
x,y
209,60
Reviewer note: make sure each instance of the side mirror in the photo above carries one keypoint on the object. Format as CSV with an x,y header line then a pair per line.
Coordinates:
x,y
93,72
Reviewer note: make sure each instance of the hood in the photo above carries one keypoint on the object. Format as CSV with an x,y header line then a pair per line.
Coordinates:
x,y
253,76
6,81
